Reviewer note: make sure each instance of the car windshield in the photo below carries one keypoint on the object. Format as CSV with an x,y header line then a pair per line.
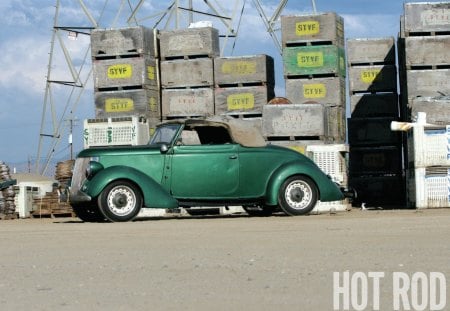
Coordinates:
x,y
164,134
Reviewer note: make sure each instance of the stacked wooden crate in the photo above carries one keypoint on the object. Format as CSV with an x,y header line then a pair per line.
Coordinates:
x,y
375,160
425,70
244,84
314,71
425,66
126,73
187,74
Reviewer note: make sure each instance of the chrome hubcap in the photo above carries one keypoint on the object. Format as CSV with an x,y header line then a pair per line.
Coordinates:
x,y
121,200
298,194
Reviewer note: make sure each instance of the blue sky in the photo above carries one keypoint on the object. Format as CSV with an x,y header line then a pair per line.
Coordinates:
x,y
26,31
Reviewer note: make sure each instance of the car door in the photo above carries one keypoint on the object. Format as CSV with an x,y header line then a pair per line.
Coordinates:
x,y
204,171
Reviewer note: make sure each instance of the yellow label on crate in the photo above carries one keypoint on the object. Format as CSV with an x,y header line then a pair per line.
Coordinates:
x,y
239,67
119,104
152,104
317,90
120,71
151,72
241,101
309,59
307,28
370,75
300,149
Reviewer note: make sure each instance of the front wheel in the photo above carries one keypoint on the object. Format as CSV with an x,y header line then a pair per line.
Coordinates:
x,y
298,195
120,201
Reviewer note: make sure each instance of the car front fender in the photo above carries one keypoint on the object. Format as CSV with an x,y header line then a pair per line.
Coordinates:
x,y
328,190
154,194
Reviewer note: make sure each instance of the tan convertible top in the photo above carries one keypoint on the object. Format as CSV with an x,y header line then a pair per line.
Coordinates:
x,y
243,132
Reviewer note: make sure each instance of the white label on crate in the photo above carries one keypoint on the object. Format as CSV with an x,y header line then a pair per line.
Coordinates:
x,y
310,59
120,71
317,90
435,17
241,101
119,104
307,28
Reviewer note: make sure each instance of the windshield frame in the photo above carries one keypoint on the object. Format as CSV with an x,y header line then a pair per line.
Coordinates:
x,y
165,134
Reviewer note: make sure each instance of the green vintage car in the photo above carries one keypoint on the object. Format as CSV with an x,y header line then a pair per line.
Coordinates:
x,y
197,162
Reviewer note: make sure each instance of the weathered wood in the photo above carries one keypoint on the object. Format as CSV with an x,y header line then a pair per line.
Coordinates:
x,y
371,50
374,105
187,102
437,109
244,69
379,78
191,41
246,99
427,51
126,72
187,73
123,41
309,28
143,102
314,60
318,90
427,83
372,132
427,17
325,123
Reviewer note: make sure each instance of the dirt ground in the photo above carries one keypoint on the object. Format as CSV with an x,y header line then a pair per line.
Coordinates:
x,y
214,263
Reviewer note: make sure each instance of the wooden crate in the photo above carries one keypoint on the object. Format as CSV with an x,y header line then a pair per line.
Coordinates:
x,y
437,109
426,17
427,51
375,160
379,190
113,74
305,120
374,105
326,27
189,42
371,51
242,100
377,78
244,69
372,132
317,90
123,42
187,102
427,83
187,73
143,102
314,60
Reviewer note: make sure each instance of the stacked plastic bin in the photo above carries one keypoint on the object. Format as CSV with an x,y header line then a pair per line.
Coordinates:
x,y
187,74
314,71
126,73
375,160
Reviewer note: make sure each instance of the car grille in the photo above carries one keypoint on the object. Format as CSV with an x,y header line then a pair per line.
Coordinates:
x,y
78,177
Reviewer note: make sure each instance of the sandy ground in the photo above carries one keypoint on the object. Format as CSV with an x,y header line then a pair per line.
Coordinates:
x,y
214,263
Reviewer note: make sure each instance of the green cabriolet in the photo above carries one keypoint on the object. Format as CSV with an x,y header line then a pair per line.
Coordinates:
x,y
197,162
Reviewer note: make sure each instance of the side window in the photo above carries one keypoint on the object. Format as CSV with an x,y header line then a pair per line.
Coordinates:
x,y
189,137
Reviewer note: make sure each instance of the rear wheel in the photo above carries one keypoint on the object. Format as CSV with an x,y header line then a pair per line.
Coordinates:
x,y
298,195
120,201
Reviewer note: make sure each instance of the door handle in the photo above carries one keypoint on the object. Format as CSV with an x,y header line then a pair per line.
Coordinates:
x,y
233,157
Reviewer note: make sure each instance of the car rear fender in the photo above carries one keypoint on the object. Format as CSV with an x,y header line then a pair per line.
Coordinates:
x,y
328,190
154,194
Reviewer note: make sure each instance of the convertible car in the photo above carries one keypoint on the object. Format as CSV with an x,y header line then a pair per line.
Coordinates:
x,y
197,162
